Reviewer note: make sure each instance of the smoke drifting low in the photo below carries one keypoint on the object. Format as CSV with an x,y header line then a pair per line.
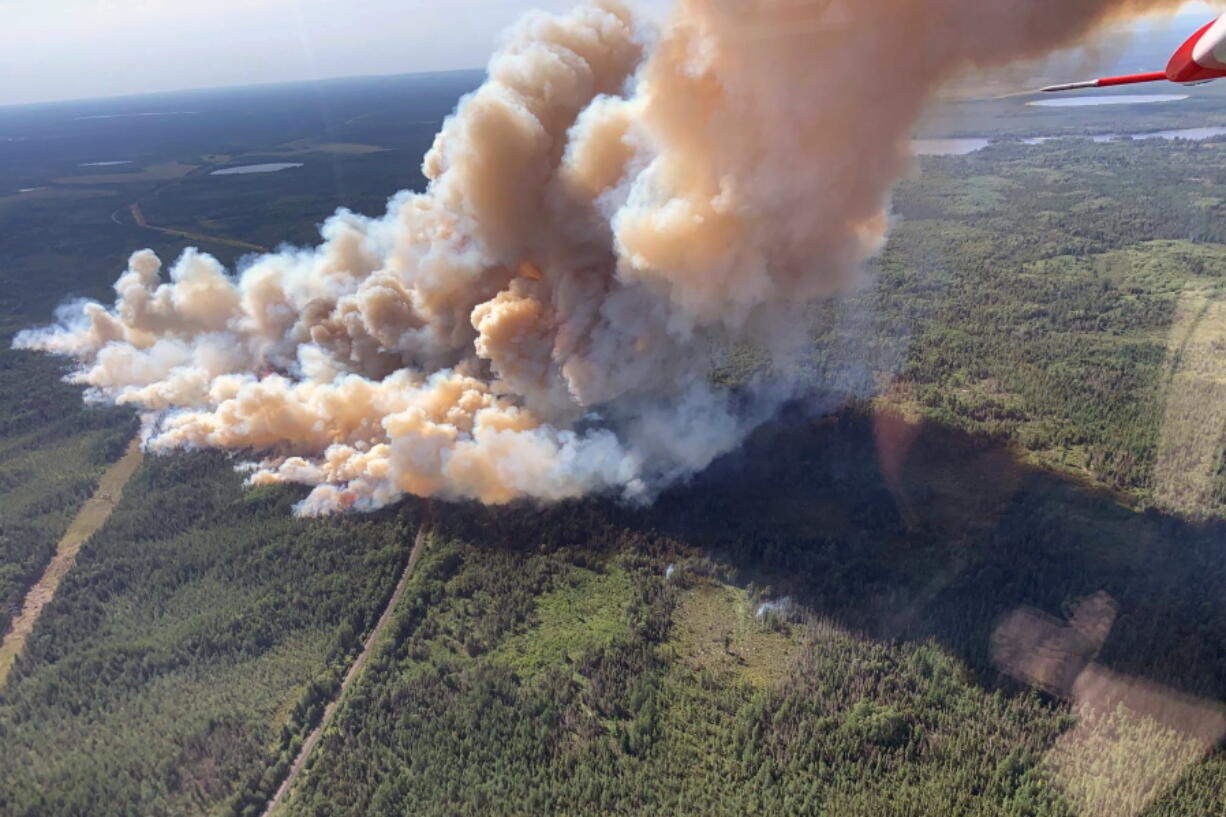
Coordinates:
x,y
610,208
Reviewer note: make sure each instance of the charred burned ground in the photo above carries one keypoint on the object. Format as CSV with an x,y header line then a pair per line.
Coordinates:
x,y
1022,439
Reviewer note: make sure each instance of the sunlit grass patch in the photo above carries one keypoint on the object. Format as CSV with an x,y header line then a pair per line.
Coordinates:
x,y
716,628
586,613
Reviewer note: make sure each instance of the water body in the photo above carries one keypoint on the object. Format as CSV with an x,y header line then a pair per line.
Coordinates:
x,y
126,115
1122,99
105,164
1193,134
270,167
30,189
970,144
948,147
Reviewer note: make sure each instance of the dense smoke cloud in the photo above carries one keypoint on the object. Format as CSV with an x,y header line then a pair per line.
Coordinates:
x,y
607,211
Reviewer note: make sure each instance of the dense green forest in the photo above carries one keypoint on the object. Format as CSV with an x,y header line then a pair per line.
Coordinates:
x,y
53,447
1030,294
546,661
1019,413
185,647
70,235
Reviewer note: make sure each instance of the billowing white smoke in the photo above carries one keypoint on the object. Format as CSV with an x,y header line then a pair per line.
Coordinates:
x,y
602,214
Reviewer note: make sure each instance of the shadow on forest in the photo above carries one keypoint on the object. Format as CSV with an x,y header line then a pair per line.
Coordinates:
x,y
917,532
921,531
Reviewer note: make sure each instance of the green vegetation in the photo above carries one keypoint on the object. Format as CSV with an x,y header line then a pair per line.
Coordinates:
x,y
1043,335
68,239
196,647
91,516
586,612
43,481
873,694
1008,117
1028,295
52,447
203,629
634,726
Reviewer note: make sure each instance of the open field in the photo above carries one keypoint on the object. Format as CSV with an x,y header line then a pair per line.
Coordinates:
x,y
44,193
152,173
1192,440
300,146
719,630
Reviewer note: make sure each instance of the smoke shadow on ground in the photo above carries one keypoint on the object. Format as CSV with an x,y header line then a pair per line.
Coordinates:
x,y
909,532
917,532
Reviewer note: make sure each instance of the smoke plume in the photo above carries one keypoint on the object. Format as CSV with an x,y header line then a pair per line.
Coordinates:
x,y
608,210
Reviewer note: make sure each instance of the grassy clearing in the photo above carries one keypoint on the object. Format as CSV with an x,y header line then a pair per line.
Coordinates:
x,y
300,146
1115,763
153,173
44,194
716,630
588,612
1193,432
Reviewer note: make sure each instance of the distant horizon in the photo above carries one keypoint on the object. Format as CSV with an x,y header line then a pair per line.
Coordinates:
x,y
236,87
64,39
78,50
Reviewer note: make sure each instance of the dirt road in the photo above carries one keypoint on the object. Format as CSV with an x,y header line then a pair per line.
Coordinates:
x,y
139,218
330,710
89,518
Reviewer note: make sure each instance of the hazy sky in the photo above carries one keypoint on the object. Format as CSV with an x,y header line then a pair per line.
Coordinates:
x,y
74,49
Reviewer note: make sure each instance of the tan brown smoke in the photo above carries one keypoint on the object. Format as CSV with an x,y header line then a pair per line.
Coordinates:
x,y
609,207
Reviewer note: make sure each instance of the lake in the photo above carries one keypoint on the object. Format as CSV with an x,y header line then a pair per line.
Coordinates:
x,y
948,147
969,144
127,115
242,170
1118,99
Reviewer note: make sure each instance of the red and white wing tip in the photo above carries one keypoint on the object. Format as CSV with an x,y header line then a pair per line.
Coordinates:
x,y
1200,59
